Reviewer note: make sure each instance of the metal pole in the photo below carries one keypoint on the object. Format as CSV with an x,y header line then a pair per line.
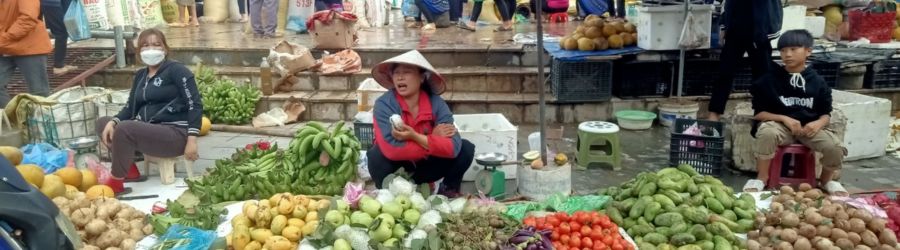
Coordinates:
x,y
681,52
540,78
120,46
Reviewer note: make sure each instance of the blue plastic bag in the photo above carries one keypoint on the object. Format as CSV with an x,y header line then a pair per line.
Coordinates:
x,y
180,237
588,7
409,8
76,22
45,155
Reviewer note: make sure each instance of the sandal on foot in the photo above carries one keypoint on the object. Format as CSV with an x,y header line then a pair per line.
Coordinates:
x,y
465,26
64,70
429,27
754,185
502,29
836,189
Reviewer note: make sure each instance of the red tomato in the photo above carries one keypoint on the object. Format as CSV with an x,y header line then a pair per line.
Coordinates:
x,y
613,228
584,219
608,239
565,228
574,248
562,216
553,221
585,230
597,228
617,246
587,242
529,221
556,245
575,242
598,245
554,236
576,227
576,235
594,213
604,221
564,239
596,235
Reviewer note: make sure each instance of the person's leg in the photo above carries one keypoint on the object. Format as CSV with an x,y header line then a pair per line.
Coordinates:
x,y
769,136
193,10
760,58
242,8
34,70
730,59
476,12
456,7
182,16
271,8
450,169
53,18
7,66
380,166
423,9
255,18
151,139
832,150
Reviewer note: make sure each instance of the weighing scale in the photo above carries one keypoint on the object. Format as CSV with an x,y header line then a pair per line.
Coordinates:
x,y
84,147
491,181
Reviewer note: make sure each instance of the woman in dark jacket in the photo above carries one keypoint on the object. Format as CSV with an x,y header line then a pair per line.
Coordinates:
x,y
163,115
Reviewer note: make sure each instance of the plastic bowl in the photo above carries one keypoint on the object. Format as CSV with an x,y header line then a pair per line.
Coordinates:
x,y
635,119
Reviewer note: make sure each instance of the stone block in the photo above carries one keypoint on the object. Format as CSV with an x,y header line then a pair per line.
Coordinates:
x,y
304,82
326,111
592,112
530,84
567,113
337,82
512,112
474,83
350,110
468,108
503,83
533,111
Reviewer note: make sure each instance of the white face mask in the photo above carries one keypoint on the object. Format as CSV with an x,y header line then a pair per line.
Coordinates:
x,y
152,57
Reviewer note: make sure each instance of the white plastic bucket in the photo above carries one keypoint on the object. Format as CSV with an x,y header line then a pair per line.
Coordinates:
x,y
669,111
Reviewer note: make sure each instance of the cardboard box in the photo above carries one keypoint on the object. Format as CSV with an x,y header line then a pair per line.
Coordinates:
x,y
338,34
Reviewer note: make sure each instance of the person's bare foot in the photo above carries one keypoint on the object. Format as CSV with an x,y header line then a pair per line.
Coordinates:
x,y
429,27
713,117
64,70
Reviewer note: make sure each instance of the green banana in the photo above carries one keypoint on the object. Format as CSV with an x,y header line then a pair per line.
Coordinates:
x,y
318,140
316,125
337,129
329,149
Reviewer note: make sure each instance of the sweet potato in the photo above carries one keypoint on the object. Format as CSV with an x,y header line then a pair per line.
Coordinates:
x,y
844,244
790,219
823,231
863,215
807,230
869,238
857,225
837,233
802,244
854,237
804,187
789,235
877,225
888,237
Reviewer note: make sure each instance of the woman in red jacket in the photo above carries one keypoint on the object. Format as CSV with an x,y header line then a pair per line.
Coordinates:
x,y
424,142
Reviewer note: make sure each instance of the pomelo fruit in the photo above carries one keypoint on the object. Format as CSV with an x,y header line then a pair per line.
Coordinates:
x,y
98,191
205,126
32,173
53,186
88,180
12,154
70,176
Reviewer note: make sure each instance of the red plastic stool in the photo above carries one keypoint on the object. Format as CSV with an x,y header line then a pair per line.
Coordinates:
x,y
560,17
803,164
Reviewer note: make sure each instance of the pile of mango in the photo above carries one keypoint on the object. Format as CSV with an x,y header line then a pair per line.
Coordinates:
x,y
679,208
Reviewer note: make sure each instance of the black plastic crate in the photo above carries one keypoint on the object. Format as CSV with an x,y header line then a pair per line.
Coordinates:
x,y
883,74
365,132
704,153
581,81
701,76
643,79
830,71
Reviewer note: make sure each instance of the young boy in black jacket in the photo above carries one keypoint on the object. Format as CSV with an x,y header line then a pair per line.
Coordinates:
x,y
793,104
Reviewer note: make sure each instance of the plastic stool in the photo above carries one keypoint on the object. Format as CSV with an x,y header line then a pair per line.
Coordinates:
x,y
803,163
167,167
598,142
561,17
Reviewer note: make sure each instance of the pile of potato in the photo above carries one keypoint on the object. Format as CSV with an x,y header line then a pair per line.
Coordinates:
x,y
599,33
104,223
807,219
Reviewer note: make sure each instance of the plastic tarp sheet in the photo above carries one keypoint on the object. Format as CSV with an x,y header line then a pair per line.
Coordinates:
x,y
575,55
559,203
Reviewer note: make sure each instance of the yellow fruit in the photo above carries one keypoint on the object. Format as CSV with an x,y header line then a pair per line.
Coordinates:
x,y
585,44
537,164
12,154
32,173
570,44
561,159
71,192
593,32
88,180
100,191
312,216
292,233
630,28
620,27
609,30
833,14
69,176
627,39
600,43
53,186
299,223
616,42
205,126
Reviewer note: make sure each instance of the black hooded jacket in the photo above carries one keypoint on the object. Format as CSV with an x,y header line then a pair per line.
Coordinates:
x,y
804,97
170,97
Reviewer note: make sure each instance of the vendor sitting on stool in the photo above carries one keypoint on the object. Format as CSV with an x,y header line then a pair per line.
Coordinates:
x,y
426,143
162,116
793,103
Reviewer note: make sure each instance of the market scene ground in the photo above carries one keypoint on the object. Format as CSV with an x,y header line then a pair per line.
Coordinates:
x,y
242,194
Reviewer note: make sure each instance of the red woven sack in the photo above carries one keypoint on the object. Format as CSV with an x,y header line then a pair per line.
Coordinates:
x,y
876,27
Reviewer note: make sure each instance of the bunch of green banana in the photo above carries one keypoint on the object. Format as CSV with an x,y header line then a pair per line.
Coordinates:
x,y
326,159
223,100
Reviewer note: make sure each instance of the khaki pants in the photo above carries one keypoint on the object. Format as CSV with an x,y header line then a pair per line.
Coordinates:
x,y
772,134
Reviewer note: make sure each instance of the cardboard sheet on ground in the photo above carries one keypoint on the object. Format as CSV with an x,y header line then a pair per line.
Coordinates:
x,y
575,55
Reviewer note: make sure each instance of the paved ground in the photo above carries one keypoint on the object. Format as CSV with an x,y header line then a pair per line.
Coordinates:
x,y
642,150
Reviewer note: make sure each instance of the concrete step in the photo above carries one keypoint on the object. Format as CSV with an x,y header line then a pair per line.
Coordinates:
x,y
505,56
464,78
518,108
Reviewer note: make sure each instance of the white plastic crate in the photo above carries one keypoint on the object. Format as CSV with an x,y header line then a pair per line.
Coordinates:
x,y
868,124
815,25
489,133
367,93
794,18
659,28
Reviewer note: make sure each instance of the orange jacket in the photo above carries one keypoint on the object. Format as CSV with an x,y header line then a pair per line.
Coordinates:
x,y
22,32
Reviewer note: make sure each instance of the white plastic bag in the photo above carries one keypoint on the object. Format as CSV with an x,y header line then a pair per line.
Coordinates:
x,y
274,117
115,14
691,34
97,14
151,14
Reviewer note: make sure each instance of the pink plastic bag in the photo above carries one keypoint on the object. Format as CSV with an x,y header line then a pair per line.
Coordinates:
x,y
353,192
102,172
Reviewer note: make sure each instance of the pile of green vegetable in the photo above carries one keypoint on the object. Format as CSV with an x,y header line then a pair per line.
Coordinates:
x,y
224,101
187,211
678,207
249,174
327,159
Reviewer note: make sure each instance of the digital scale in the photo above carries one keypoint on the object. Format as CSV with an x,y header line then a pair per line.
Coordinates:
x,y
491,180
84,147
